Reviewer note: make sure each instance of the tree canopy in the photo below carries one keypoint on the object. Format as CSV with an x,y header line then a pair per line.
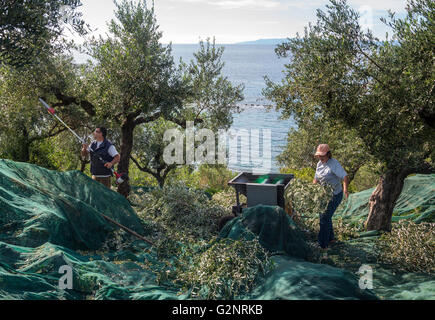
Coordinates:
x,y
342,73
134,81
31,29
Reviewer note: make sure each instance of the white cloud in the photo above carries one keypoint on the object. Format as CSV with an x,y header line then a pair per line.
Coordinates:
x,y
384,5
305,4
235,4
375,5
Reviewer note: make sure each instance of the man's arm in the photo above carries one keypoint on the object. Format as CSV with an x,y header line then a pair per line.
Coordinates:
x,y
116,157
113,162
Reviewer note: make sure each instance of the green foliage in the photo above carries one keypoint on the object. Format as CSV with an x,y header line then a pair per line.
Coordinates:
x,y
184,174
133,73
30,29
307,198
409,247
308,201
367,177
181,210
227,199
26,125
226,269
306,174
342,74
213,98
62,151
214,178
183,222
345,144
40,155
149,148
139,178
20,119
211,178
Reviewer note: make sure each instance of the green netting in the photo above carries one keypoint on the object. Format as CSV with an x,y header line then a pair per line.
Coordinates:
x,y
416,201
292,277
295,279
276,231
49,219
32,273
40,205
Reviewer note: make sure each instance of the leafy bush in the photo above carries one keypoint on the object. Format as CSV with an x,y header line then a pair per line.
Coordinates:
x,y
344,230
140,178
306,174
223,270
409,246
227,199
180,210
366,177
214,178
211,178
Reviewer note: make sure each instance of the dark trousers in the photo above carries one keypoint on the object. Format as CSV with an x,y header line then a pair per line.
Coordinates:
x,y
107,181
326,232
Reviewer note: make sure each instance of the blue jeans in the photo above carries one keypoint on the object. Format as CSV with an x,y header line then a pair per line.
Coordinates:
x,y
326,232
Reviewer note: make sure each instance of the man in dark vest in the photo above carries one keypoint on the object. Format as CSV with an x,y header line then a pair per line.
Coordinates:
x,y
106,150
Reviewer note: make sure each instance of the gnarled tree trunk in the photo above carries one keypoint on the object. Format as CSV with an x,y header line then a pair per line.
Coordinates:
x,y
126,147
383,200
83,163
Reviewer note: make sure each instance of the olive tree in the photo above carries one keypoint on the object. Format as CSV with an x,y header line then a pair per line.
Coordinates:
x,y
149,149
25,123
381,89
210,104
134,81
31,30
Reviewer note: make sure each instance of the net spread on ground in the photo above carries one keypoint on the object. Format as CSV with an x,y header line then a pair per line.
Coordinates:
x,y
50,219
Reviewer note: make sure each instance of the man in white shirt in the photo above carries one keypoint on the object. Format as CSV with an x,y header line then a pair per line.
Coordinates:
x,y
104,149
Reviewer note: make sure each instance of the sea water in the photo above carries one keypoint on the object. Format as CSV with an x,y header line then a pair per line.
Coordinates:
x,y
248,65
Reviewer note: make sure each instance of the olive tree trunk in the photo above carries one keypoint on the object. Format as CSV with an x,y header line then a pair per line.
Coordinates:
x,y
383,200
127,129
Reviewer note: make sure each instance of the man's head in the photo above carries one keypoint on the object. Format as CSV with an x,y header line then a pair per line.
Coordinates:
x,y
100,133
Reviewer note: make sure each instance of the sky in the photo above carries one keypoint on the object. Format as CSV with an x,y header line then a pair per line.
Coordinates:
x,y
232,21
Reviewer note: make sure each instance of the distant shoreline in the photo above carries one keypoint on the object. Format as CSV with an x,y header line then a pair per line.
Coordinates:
x,y
266,42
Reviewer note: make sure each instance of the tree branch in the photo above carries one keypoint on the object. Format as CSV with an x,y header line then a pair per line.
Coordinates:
x,y
67,100
424,168
150,118
182,122
141,168
48,135
369,58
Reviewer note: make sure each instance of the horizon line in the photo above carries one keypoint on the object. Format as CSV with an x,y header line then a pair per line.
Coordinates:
x,y
237,42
